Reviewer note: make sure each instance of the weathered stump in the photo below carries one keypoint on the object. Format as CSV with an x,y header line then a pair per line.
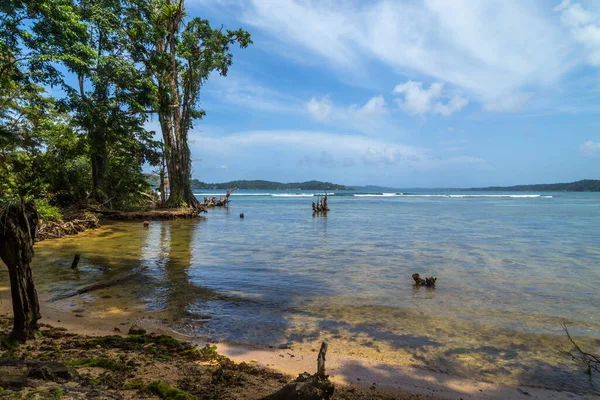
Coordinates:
x,y
75,261
218,201
18,229
306,386
321,205
424,282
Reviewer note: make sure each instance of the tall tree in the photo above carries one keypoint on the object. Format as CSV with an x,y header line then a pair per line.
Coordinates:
x,y
111,95
179,54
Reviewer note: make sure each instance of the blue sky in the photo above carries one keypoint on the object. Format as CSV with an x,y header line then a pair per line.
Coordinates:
x,y
434,93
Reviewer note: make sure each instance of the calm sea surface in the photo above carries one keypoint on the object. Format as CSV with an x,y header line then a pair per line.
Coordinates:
x,y
510,266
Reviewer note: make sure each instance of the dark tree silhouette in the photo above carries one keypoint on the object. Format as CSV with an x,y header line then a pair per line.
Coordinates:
x,y
18,229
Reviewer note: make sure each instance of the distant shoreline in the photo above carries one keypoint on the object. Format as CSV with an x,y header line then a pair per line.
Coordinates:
x,y
585,185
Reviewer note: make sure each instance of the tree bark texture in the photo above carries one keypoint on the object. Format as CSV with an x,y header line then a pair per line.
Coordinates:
x,y
18,229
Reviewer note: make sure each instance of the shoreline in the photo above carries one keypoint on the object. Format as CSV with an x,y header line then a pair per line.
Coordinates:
x,y
346,371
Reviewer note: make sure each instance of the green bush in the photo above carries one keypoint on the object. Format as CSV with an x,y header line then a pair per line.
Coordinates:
x,y
47,211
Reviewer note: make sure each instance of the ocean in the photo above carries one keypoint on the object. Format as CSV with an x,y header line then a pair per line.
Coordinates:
x,y
511,268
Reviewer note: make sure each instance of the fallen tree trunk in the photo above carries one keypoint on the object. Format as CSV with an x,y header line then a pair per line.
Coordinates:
x,y
161,213
219,201
306,386
101,285
18,229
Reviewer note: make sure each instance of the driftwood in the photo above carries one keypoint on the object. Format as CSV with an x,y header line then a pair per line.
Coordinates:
x,y
58,229
590,361
218,201
101,285
321,205
424,282
306,386
160,213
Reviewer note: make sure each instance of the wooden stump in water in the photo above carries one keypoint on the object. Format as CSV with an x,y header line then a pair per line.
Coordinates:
x,y
306,386
321,205
424,282
18,229
75,261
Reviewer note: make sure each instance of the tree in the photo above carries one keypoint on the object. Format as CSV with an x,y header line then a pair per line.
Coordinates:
x,y
179,55
111,95
18,229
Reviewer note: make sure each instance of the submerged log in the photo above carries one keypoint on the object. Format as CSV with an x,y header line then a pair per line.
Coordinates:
x,y
18,229
424,282
306,386
101,285
218,201
321,205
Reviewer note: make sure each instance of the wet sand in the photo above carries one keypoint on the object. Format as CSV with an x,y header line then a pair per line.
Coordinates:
x,y
381,378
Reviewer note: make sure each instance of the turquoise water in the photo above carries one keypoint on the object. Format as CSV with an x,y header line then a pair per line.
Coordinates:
x,y
510,266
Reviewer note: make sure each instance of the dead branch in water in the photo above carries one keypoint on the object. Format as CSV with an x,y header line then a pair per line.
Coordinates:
x,y
590,361
101,285
424,282
306,386
321,205
219,201
57,229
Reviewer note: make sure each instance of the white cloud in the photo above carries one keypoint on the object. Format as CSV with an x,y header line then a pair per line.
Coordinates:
x,y
487,49
368,118
325,147
584,26
455,104
222,166
374,108
418,100
244,91
509,102
320,109
590,148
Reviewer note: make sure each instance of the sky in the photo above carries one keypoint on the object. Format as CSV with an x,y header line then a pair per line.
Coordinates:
x,y
432,93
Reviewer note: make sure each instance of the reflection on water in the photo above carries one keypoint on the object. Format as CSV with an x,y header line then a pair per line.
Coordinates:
x,y
509,270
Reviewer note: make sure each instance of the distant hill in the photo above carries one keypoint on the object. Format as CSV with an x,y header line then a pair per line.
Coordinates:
x,y
586,185
267,185
375,188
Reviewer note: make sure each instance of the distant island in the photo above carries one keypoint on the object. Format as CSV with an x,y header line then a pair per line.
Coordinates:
x,y
267,185
586,185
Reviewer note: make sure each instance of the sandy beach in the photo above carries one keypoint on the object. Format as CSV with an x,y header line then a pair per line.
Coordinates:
x,y
376,378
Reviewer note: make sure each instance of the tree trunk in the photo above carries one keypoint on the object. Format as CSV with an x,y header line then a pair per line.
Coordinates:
x,y
18,229
98,174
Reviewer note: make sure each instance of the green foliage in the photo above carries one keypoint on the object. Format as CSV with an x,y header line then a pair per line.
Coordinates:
x,y
168,392
585,185
47,211
56,394
267,185
134,385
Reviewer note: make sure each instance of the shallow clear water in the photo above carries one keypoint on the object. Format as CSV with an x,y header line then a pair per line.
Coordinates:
x,y
509,270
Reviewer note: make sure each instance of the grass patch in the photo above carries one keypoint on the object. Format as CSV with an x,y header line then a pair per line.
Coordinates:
x,y
56,394
97,362
134,385
168,392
